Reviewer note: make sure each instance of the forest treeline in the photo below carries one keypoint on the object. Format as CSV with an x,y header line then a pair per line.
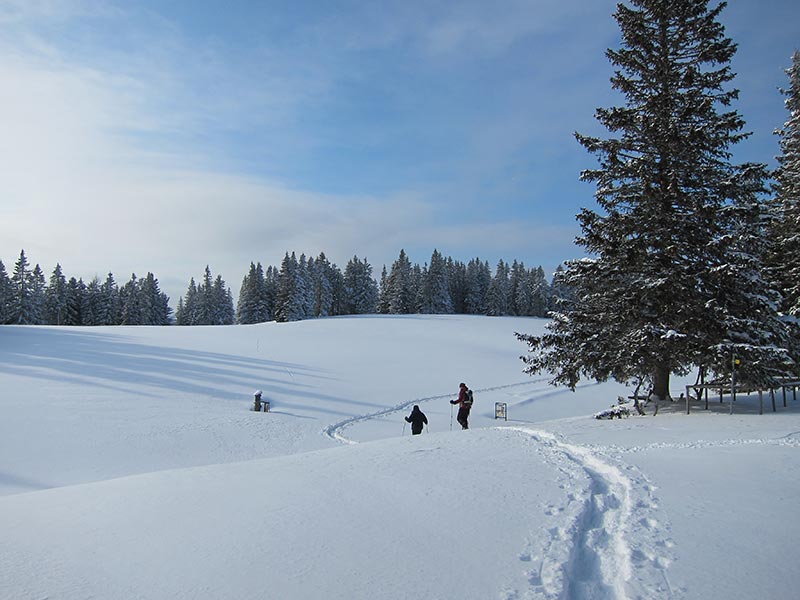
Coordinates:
x,y
301,288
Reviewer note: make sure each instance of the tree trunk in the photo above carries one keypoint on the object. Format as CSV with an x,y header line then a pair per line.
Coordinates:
x,y
661,382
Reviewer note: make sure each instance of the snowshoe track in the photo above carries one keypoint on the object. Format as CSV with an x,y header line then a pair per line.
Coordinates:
x,y
335,430
586,554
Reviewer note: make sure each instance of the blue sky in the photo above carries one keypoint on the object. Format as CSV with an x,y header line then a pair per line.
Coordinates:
x,y
164,136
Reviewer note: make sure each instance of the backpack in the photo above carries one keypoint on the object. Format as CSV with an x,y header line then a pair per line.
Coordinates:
x,y
468,399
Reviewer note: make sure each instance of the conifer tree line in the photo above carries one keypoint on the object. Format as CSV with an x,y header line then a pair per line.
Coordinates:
x,y
300,288
693,264
314,287
26,298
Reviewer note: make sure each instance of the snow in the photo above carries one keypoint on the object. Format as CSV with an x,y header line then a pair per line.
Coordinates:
x,y
133,466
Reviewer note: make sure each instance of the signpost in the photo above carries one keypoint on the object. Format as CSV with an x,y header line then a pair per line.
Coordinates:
x,y
501,411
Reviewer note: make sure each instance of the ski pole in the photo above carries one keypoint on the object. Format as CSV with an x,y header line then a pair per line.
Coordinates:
x,y
404,428
451,417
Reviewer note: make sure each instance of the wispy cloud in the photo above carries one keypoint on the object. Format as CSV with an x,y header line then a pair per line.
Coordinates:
x,y
120,146
139,139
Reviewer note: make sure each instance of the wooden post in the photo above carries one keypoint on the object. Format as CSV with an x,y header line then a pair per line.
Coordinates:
x,y
772,396
687,399
783,389
760,402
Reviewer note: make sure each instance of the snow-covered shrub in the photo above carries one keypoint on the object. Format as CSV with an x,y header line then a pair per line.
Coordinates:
x,y
618,410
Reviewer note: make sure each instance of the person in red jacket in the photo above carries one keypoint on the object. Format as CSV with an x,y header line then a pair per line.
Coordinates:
x,y
464,402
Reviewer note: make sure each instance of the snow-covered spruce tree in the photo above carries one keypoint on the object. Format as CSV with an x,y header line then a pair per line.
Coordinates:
x,y
457,276
5,295
187,313
305,274
271,291
663,286
418,276
206,301
359,288
19,302
254,303
435,290
154,302
131,308
223,312
745,307
246,305
478,282
517,304
787,190
75,292
38,289
90,303
498,296
531,297
399,292
109,308
290,302
540,293
24,306
323,280
383,293
209,303
55,298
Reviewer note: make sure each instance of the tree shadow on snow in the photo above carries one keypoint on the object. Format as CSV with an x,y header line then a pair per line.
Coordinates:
x,y
116,362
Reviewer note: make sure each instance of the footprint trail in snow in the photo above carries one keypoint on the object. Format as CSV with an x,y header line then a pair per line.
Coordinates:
x,y
607,541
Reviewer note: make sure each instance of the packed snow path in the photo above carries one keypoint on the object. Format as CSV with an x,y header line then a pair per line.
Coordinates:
x,y
335,431
589,554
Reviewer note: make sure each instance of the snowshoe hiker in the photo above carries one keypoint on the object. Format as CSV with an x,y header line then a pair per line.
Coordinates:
x,y
417,419
464,402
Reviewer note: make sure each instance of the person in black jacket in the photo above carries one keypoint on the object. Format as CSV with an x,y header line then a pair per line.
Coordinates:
x,y
417,419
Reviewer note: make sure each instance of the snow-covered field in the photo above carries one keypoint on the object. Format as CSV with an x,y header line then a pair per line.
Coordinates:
x,y
132,466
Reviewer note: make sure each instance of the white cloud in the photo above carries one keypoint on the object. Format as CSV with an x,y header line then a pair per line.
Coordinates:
x,y
102,165
74,192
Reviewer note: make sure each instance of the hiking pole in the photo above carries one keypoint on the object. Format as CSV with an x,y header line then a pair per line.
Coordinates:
x,y
404,428
451,417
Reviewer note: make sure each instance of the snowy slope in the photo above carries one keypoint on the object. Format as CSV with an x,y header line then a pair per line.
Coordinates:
x,y
132,467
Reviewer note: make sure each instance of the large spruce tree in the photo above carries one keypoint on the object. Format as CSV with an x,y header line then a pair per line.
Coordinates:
x,y
670,282
787,190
